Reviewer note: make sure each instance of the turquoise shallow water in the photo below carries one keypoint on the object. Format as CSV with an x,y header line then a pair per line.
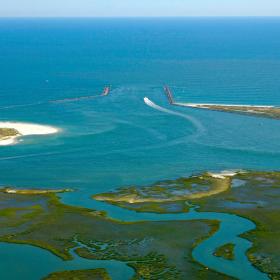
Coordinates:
x,y
117,140
36,263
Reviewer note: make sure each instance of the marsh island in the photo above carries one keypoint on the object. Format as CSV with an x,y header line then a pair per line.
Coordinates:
x,y
149,248
170,195
253,195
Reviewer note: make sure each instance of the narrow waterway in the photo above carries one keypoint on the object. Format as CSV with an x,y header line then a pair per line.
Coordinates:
x,y
34,263
27,262
231,227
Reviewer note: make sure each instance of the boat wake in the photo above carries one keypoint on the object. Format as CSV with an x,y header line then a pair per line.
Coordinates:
x,y
199,127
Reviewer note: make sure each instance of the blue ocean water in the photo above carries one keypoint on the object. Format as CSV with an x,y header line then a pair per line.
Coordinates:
x,y
108,142
116,140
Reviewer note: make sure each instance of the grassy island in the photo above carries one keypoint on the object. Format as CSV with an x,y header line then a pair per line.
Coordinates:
x,y
226,251
91,274
6,133
253,195
150,248
168,196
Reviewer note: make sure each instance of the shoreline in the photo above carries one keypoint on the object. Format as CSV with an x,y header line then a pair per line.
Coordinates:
x,y
10,190
220,182
265,111
24,129
201,105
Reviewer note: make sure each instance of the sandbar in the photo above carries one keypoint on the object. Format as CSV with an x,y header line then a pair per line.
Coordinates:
x,y
24,129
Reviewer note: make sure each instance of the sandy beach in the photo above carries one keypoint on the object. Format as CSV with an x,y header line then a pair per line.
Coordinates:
x,y
224,174
25,129
202,105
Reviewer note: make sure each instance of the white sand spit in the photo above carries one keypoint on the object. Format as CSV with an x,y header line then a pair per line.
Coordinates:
x,y
205,105
224,174
25,129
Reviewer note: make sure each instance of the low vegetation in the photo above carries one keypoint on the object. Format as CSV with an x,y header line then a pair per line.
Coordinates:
x,y
91,274
226,251
167,196
253,195
8,132
155,250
